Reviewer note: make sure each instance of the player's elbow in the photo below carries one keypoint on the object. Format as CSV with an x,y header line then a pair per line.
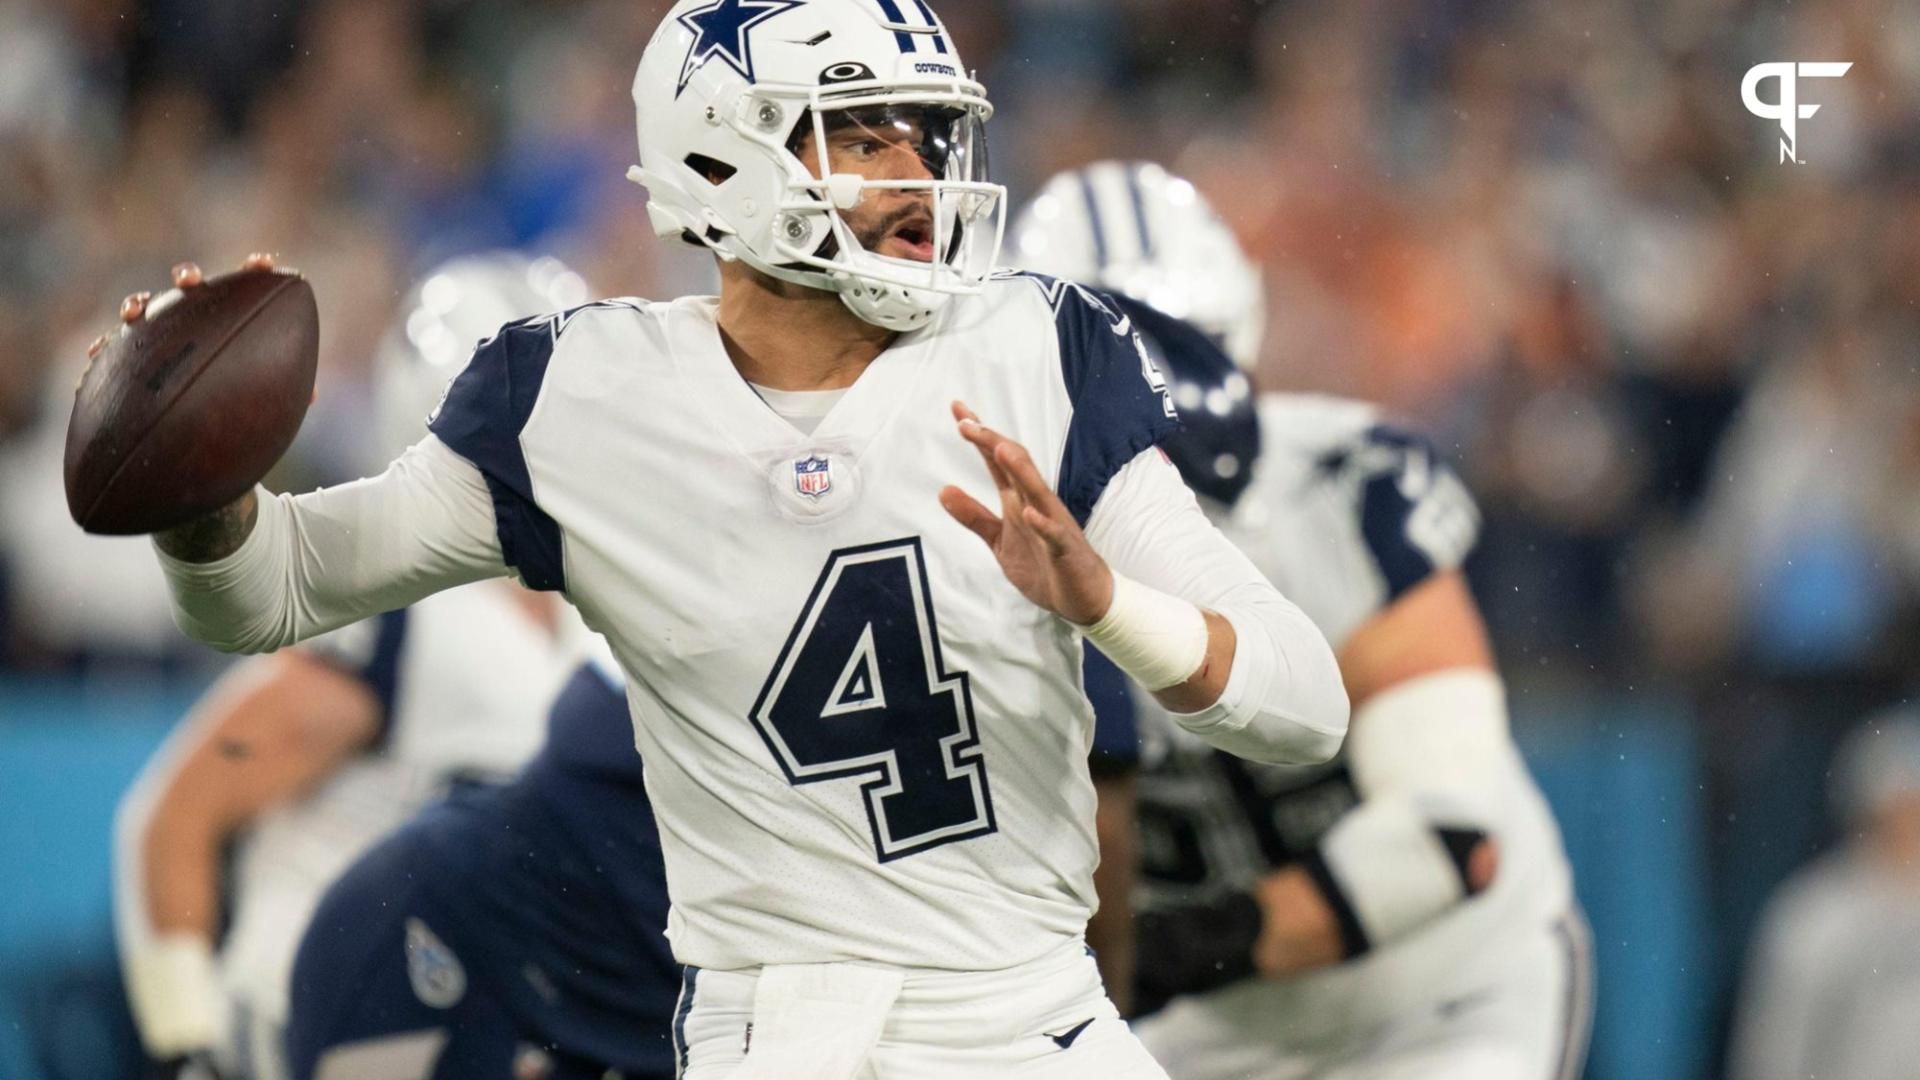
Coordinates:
x,y
1278,712
254,645
1306,743
1284,702
220,638
228,634
1323,713
1310,737
1301,707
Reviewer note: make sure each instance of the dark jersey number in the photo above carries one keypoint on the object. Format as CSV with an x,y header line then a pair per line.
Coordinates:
x,y
859,691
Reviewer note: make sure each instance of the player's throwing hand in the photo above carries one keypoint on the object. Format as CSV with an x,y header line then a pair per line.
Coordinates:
x,y
185,406
1038,543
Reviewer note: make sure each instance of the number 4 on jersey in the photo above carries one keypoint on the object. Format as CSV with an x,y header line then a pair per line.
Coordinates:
x,y
860,691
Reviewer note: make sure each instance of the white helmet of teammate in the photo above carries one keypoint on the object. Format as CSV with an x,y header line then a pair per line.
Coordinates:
x,y
1135,229
454,307
727,89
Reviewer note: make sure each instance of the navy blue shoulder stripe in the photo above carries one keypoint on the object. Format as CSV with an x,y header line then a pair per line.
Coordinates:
x,y
1120,402
485,411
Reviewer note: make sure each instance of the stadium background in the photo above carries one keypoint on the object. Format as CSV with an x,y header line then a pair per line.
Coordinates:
x,y
1679,374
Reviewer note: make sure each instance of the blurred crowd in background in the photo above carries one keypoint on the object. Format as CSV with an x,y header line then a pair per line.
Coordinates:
x,y
1679,374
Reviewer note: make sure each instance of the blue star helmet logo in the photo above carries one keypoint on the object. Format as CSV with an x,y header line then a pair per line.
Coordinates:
x,y
720,29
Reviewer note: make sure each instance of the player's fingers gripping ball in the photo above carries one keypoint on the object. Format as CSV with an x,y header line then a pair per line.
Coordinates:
x,y
184,408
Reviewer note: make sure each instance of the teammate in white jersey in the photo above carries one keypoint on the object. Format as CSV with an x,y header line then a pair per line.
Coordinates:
x,y
1403,911
302,760
856,686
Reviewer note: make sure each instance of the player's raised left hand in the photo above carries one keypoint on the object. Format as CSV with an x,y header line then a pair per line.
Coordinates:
x,y
1041,548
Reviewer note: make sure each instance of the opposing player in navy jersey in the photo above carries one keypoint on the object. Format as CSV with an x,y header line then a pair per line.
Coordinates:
x,y
298,762
510,933
845,526
1405,910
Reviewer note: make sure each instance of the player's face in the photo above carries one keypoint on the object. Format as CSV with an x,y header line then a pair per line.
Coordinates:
x,y
883,145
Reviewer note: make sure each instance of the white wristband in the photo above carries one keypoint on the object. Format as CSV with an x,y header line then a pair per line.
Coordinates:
x,y
1158,639
175,994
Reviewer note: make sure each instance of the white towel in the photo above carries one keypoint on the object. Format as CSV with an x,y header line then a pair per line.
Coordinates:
x,y
817,1021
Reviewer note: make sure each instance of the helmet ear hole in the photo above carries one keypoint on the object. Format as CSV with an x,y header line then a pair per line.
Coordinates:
x,y
715,171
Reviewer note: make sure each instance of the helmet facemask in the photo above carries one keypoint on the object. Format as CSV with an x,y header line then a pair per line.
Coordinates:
x,y
808,238
951,214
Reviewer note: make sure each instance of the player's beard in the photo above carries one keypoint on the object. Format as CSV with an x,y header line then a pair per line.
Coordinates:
x,y
872,236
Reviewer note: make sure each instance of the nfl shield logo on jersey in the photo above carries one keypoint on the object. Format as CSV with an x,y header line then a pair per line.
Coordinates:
x,y
813,476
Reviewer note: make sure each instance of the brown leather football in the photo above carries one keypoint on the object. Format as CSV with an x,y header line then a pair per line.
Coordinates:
x,y
187,408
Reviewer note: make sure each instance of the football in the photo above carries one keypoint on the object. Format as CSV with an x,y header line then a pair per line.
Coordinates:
x,y
186,409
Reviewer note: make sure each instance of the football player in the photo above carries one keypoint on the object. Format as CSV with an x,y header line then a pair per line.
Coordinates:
x,y
1406,909
509,933
844,526
300,760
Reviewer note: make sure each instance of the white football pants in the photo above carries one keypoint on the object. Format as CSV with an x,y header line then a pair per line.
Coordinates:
x,y
1049,1019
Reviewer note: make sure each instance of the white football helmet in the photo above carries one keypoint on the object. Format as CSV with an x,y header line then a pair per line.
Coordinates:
x,y
1135,229
722,95
454,307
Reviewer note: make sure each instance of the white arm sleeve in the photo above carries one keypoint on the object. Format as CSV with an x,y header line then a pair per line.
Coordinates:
x,y
1284,700
321,560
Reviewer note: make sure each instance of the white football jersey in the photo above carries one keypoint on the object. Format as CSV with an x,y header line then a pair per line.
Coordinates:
x,y
857,733
1345,513
465,678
